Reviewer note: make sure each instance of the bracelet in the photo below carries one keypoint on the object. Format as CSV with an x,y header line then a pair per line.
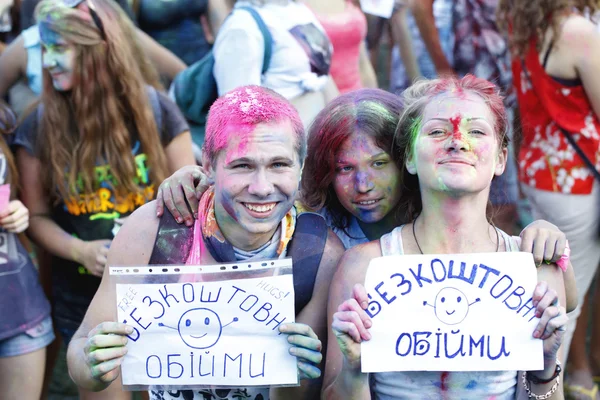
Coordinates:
x,y
530,394
535,380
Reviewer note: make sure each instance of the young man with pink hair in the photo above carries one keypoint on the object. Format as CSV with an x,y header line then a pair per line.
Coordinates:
x,y
254,153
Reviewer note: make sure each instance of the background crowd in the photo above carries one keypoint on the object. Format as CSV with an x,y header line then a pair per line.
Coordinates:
x,y
148,60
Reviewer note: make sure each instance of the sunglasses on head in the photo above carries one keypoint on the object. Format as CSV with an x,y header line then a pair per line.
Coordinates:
x,y
93,14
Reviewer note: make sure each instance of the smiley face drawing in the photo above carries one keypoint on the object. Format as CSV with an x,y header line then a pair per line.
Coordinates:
x,y
451,306
200,328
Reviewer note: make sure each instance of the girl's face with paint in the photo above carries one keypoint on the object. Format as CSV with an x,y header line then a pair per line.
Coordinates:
x,y
456,149
58,57
366,179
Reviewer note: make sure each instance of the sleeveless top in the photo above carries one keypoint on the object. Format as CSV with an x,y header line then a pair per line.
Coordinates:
x,y
347,31
546,160
425,385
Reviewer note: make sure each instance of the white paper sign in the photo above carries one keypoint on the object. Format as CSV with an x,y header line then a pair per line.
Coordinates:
x,y
461,312
380,8
219,333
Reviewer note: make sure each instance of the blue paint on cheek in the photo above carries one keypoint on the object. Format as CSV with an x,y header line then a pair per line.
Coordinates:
x,y
471,385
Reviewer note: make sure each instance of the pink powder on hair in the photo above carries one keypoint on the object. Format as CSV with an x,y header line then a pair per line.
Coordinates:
x,y
238,112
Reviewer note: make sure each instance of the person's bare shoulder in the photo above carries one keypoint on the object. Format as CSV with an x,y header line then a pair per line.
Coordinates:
x,y
355,261
134,243
578,33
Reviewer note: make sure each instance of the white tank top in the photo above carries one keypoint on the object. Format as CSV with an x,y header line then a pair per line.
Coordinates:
x,y
433,385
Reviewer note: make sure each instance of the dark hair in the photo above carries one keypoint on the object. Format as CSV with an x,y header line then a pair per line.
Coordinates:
x,y
416,98
372,112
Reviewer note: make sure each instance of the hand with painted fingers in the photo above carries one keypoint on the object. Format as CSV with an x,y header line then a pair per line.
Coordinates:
x,y
181,193
350,326
94,256
544,240
15,218
552,325
105,351
306,346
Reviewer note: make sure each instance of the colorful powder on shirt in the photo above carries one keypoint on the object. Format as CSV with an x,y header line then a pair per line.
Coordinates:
x,y
444,381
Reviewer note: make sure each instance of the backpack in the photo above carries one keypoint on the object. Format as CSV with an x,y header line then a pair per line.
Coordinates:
x,y
195,88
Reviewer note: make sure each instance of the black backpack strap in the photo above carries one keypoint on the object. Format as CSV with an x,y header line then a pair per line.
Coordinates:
x,y
173,242
306,250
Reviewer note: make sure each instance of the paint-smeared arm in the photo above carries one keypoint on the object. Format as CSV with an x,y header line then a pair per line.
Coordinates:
x,y
181,193
98,346
13,63
314,315
550,297
548,243
348,322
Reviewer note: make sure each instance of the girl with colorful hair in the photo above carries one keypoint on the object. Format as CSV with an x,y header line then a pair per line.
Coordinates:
x,y
95,147
555,47
451,141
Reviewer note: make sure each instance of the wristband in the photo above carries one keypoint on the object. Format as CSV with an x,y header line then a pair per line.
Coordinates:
x,y
538,381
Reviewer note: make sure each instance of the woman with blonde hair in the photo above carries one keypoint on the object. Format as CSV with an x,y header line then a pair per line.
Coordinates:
x,y
556,57
94,149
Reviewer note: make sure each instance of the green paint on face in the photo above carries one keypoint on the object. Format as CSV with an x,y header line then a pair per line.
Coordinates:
x,y
378,109
413,131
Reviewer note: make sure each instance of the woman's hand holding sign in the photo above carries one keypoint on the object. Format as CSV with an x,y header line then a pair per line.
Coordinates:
x,y
105,350
350,324
306,347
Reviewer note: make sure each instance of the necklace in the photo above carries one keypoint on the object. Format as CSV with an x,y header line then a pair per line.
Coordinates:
x,y
421,251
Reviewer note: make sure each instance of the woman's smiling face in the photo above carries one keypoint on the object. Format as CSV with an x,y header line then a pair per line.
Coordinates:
x,y
456,149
